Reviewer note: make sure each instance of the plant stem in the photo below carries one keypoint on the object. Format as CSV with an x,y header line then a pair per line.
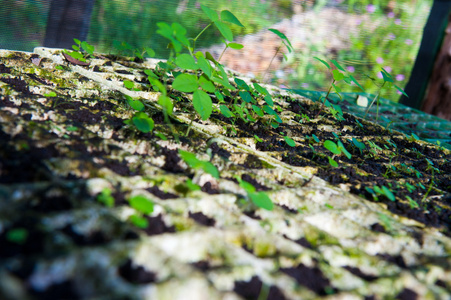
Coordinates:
x,y
220,56
327,95
272,59
200,33
375,99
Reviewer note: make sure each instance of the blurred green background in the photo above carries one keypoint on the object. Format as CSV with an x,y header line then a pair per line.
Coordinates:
x,y
388,35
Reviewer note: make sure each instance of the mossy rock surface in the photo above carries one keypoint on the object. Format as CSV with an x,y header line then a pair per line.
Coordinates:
x,y
65,152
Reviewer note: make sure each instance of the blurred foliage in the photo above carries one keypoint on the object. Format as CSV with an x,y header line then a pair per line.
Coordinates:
x,y
135,22
390,40
25,23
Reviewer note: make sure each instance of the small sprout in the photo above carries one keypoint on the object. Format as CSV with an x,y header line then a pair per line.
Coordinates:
x,y
50,94
17,235
106,198
289,141
139,221
328,206
332,147
142,204
257,138
195,163
143,122
192,186
71,128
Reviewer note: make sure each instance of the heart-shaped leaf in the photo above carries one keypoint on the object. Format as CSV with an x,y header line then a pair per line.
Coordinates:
x,y
202,104
186,62
185,83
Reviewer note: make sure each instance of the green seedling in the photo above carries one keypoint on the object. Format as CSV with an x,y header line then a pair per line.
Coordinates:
x,y
50,94
126,48
433,170
106,198
193,162
337,149
82,50
388,83
285,41
260,199
381,191
143,207
338,74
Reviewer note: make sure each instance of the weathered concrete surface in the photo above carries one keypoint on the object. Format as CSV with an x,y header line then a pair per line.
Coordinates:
x,y
59,153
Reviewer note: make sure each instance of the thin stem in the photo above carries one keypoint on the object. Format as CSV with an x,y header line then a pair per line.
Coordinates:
x,y
327,95
375,98
272,59
227,46
200,33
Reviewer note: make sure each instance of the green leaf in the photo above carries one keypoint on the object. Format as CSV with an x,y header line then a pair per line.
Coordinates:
x,y
283,37
142,121
245,96
268,100
50,94
150,52
261,200
87,47
77,41
338,65
186,62
71,128
206,84
190,159
219,96
76,48
337,75
157,85
192,186
355,81
235,46
135,104
141,203
226,111
204,65
332,147
386,76
401,90
185,83
241,84
258,110
210,57
388,193
247,186
225,30
260,89
257,138
289,141
343,149
209,168
211,14
106,198
229,17
129,84
202,104
325,63
17,235
332,162
166,103
358,144
336,88
139,221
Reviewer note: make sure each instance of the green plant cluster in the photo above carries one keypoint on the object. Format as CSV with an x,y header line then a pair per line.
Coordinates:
x,y
209,89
